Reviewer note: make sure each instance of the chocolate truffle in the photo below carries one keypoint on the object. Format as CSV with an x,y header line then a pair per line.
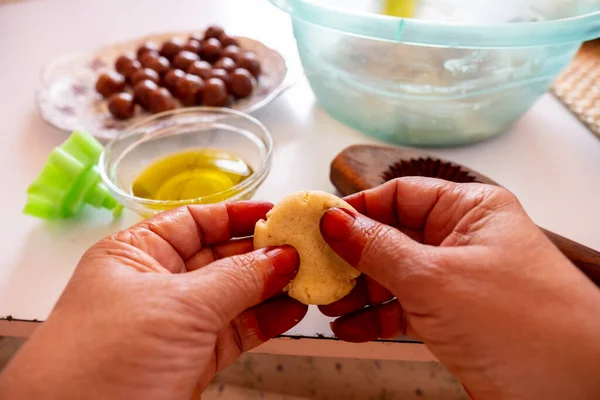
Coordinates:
x,y
131,68
227,40
213,31
201,69
141,91
193,46
123,62
225,63
215,93
161,65
147,57
211,50
241,83
171,48
232,52
110,83
188,89
160,100
170,79
121,105
148,46
184,59
221,74
143,74
249,61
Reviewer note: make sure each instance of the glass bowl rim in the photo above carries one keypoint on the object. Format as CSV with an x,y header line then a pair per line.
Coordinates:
x,y
253,180
444,34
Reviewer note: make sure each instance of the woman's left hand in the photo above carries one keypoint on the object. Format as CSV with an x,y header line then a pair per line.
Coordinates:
x,y
155,311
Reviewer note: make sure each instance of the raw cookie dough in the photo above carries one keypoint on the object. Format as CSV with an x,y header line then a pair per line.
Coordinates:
x,y
323,277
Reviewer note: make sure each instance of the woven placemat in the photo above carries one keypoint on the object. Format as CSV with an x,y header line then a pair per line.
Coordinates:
x,y
578,87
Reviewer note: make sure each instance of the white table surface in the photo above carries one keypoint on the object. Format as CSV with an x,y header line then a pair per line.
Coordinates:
x,y
549,160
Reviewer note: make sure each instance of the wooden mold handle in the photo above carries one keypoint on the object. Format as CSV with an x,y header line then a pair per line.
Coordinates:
x,y
584,258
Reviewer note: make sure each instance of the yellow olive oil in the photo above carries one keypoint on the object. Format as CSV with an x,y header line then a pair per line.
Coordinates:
x,y
191,174
400,8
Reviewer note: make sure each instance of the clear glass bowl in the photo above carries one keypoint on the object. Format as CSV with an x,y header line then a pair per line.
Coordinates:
x,y
459,71
136,148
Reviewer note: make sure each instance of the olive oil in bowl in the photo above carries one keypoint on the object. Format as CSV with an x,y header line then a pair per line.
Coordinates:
x,y
190,175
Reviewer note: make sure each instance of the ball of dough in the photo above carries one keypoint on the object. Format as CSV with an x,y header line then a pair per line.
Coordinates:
x,y
323,276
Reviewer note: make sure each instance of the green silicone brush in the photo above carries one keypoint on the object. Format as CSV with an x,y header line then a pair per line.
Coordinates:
x,y
70,180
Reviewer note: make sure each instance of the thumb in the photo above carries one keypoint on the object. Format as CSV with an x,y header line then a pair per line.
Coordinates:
x,y
382,252
230,286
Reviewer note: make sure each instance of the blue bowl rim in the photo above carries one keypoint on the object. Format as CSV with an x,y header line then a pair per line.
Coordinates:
x,y
571,30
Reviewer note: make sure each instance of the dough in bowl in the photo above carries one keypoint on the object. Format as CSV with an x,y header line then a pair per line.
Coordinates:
x,y
323,276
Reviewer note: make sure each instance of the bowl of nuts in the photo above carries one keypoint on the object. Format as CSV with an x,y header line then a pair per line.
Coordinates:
x,y
115,87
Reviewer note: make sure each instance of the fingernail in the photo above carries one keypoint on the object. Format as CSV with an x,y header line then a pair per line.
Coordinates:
x,y
285,259
336,223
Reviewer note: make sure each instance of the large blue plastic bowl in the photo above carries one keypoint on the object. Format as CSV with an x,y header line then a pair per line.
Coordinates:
x,y
437,82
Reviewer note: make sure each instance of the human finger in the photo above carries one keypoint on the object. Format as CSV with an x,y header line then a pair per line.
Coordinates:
x,y
176,235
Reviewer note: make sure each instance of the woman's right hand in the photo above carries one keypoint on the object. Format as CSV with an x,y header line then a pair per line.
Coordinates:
x,y
476,281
